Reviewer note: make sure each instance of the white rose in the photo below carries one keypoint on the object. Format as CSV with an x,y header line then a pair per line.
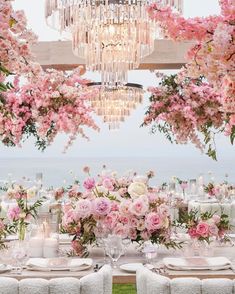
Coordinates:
x,y
31,192
137,189
140,179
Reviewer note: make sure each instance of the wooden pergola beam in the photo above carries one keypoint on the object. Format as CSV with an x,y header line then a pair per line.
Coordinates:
x,y
58,55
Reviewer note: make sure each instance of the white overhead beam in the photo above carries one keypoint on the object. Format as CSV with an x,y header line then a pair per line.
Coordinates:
x,y
58,54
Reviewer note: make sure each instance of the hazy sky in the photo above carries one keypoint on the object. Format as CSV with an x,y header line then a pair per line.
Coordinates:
x,y
130,140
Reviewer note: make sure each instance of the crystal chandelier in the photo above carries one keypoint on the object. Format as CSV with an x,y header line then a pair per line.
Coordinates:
x,y
111,35
115,104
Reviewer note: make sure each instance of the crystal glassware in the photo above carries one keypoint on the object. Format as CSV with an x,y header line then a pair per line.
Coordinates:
x,y
114,248
19,254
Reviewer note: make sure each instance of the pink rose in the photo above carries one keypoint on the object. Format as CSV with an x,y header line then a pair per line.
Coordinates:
x,y
132,233
139,207
133,222
13,212
114,206
124,207
193,233
108,184
111,219
202,229
153,221
163,210
213,230
89,184
101,206
68,218
121,230
83,208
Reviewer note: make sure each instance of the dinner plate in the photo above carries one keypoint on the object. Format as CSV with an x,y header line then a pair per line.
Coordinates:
x,y
131,267
4,268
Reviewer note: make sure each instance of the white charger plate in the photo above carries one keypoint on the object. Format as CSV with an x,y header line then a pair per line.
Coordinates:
x,y
133,267
4,268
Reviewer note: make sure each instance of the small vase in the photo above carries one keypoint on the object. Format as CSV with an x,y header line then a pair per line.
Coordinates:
x,y
21,230
201,248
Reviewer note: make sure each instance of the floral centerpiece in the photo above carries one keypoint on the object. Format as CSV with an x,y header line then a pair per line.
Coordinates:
x,y
23,209
206,226
126,206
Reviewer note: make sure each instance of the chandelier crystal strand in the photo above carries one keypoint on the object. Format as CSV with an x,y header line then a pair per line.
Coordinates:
x,y
115,104
111,35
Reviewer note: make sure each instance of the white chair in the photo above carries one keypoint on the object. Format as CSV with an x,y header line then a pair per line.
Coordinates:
x,y
95,283
150,283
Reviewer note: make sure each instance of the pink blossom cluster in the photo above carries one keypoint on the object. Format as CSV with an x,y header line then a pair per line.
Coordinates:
x,y
213,55
184,108
49,104
204,229
15,40
125,206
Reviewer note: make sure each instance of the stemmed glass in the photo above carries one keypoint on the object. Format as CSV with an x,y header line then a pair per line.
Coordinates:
x,y
150,252
126,243
101,234
114,248
19,253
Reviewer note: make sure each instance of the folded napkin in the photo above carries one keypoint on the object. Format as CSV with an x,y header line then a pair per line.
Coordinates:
x,y
59,264
197,263
65,238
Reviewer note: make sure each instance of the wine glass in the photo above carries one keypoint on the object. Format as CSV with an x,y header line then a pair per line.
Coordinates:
x,y
114,248
101,233
150,253
19,254
126,243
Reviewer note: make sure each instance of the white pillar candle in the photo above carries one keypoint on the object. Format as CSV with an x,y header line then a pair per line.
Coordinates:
x,y
36,247
50,248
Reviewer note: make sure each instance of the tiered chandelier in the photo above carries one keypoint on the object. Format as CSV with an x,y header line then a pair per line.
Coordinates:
x,y
115,104
112,36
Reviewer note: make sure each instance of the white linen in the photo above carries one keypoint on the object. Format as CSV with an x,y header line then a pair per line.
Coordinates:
x,y
49,264
197,263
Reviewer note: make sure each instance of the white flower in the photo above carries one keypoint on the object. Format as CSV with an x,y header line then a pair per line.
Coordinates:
x,y
31,192
137,189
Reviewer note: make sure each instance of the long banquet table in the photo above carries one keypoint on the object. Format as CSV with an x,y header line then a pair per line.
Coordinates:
x,y
132,255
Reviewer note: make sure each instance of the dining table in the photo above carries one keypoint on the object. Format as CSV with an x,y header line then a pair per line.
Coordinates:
x,y
134,255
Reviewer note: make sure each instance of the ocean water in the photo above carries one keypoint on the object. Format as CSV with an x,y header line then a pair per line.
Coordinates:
x,y
63,170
